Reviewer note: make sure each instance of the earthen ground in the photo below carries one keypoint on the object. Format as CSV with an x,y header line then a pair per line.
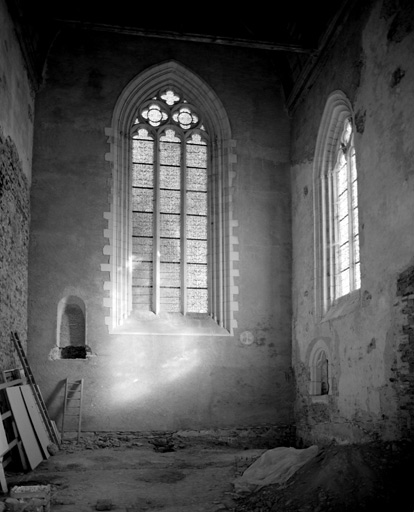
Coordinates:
x,y
135,476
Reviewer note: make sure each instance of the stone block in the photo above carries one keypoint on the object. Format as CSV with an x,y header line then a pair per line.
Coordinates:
x,y
30,498
103,505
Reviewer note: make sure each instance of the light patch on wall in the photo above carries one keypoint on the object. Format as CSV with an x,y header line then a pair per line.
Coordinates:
x,y
131,383
180,365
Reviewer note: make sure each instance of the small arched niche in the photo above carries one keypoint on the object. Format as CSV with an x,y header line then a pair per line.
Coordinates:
x,y
320,370
71,328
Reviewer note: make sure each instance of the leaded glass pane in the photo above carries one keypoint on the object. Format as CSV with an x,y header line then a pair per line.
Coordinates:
x,y
142,199
169,226
346,135
196,227
170,136
142,298
170,275
142,249
170,249
197,276
356,248
170,177
196,203
154,114
142,134
170,97
197,251
170,300
141,280
343,230
196,156
185,117
142,271
197,301
170,201
170,149
355,223
342,179
354,194
353,165
344,282
142,224
142,151
357,275
170,154
343,204
141,294
197,179
196,138
142,175
343,258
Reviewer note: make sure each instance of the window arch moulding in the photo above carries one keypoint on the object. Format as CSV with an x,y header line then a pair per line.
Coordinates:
x,y
336,218
222,239
320,371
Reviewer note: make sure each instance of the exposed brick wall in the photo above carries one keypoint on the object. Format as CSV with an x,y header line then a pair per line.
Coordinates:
x,y
403,367
14,239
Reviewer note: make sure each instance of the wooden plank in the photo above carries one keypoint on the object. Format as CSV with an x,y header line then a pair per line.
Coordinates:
x,y
4,445
10,383
24,426
3,482
36,419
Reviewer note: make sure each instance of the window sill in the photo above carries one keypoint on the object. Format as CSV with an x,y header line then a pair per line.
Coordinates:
x,y
343,306
320,399
169,324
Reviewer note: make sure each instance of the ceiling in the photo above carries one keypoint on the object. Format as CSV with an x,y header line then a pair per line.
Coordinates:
x,y
289,22
295,27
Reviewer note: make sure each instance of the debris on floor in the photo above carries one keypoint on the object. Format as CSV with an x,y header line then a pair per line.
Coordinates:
x,y
103,505
28,498
127,470
343,478
162,444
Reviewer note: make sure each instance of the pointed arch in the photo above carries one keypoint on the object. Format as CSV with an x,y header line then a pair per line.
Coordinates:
x,y
327,258
222,291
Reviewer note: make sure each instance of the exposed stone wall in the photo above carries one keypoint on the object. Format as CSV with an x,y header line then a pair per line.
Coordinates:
x,y
402,371
16,139
14,241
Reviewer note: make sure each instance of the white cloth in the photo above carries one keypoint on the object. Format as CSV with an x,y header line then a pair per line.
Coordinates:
x,y
275,466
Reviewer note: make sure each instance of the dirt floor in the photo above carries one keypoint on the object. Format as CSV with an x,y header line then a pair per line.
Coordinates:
x,y
129,474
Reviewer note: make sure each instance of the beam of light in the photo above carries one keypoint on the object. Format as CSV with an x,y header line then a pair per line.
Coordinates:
x,y
135,376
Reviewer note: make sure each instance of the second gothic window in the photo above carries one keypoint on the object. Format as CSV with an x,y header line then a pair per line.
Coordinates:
x,y
170,155
345,255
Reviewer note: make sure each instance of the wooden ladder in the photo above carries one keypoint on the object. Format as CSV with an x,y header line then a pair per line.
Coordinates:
x,y
36,392
72,404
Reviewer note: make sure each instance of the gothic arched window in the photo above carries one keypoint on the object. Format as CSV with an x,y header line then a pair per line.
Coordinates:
x,y
172,248
336,204
170,155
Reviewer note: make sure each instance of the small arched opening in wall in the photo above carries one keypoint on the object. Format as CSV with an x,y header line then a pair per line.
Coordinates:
x,y
320,367
71,328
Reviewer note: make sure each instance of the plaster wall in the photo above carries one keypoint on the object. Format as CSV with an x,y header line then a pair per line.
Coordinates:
x,y
16,131
372,63
17,95
151,382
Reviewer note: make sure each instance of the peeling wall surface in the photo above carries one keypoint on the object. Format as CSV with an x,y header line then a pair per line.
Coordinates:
x,y
16,132
16,93
159,382
369,334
